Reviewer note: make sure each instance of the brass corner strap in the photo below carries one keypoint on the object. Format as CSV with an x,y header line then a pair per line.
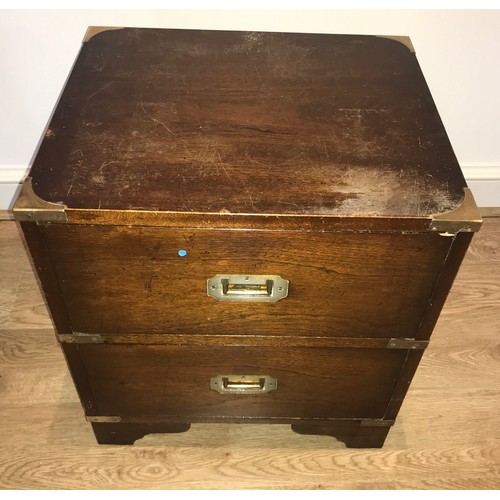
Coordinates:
x,y
465,218
407,344
95,30
376,422
30,207
80,338
102,419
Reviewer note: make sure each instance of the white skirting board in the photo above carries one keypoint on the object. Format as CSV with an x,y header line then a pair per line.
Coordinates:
x,y
484,181
11,177
482,178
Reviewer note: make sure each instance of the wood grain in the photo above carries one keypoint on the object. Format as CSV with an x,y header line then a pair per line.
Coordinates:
x,y
247,122
124,384
117,279
446,436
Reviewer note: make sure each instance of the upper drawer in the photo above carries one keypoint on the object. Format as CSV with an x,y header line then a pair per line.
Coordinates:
x,y
117,279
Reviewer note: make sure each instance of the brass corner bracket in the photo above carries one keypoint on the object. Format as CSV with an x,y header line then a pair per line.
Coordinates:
x,y
95,30
80,338
376,422
465,218
102,419
30,207
407,344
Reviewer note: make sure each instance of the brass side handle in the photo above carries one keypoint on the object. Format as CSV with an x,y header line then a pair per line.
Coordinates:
x,y
247,287
243,384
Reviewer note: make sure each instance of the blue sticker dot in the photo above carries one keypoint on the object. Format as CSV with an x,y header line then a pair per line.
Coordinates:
x,y
182,253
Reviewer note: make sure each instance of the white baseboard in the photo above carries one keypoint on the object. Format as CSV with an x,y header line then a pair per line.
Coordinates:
x,y
482,178
486,192
481,171
12,174
11,177
484,181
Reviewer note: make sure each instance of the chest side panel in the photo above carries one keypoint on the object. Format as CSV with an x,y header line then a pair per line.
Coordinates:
x,y
132,280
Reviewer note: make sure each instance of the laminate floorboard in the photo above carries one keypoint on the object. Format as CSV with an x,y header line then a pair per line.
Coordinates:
x,y
447,435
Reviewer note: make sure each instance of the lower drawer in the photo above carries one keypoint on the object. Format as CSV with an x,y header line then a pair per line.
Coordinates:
x,y
154,380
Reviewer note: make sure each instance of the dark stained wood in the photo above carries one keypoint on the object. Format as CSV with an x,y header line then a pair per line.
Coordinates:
x,y
132,280
276,222
445,436
242,122
450,269
232,340
126,433
80,379
443,285
40,260
128,380
351,433
404,380
319,158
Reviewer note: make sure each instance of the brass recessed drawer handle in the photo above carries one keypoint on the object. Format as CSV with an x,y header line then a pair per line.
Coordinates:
x,y
243,384
247,288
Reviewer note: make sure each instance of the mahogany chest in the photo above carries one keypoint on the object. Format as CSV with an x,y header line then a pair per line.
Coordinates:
x,y
245,227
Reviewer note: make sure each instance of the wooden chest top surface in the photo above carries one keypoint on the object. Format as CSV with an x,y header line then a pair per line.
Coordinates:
x,y
247,123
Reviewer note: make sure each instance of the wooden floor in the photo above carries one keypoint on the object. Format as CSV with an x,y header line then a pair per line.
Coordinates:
x,y
446,437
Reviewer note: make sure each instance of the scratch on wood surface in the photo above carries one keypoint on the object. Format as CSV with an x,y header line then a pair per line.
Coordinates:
x,y
70,188
258,72
250,198
92,124
105,164
288,60
208,155
251,42
104,87
282,57
361,111
225,172
155,120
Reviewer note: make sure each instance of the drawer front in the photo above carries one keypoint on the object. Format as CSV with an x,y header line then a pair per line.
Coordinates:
x,y
142,381
154,280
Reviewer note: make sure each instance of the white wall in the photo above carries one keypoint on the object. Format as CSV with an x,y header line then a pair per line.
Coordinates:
x,y
457,50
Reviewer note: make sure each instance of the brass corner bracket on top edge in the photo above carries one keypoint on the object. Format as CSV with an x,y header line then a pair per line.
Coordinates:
x,y
465,218
30,207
